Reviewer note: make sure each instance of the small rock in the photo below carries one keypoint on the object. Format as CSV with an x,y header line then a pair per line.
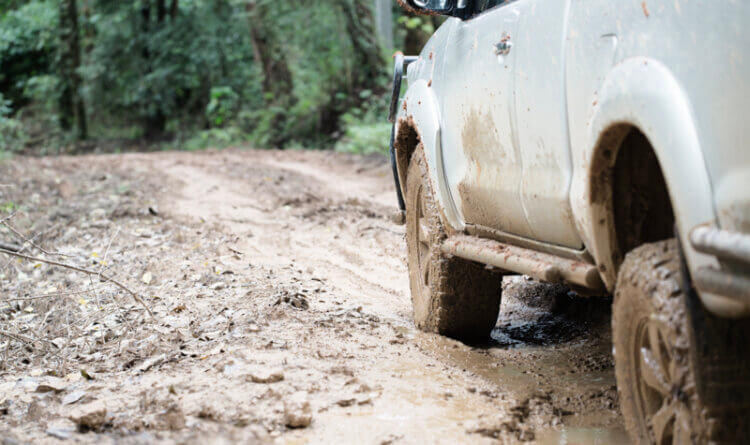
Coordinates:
x,y
296,300
150,363
173,418
297,411
65,189
61,429
91,415
98,214
9,440
52,384
218,285
364,399
35,411
346,402
147,278
391,439
59,433
266,376
73,397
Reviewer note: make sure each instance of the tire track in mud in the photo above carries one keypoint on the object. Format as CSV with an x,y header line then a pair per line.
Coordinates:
x,y
335,248
328,216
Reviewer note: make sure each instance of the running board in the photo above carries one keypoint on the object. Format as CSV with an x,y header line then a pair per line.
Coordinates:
x,y
543,266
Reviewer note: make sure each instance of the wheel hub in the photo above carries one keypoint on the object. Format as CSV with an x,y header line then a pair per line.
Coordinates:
x,y
661,384
424,244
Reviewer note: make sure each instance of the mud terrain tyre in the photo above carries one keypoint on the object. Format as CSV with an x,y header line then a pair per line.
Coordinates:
x,y
450,296
656,356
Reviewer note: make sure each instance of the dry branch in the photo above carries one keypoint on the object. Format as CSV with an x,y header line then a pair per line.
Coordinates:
x,y
102,276
52,295
7,218
30,241
23,338
10,247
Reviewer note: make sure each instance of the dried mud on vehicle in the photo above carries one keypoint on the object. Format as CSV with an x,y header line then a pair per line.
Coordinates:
x,y
281,309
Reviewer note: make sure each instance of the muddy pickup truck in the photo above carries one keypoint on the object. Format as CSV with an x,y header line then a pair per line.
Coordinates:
x,y
602,144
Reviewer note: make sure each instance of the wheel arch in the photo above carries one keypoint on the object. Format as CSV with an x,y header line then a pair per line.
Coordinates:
x,y
418,124
640,96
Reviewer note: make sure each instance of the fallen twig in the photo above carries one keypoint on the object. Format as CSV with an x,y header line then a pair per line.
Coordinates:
x,y
2,221
102,276
11,247
52,295
30,241
106,252
23,338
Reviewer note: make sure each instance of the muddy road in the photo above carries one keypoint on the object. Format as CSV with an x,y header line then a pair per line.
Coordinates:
x,y
281,312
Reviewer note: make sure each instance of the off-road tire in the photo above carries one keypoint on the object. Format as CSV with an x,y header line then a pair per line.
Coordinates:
x,y
656,361
450,296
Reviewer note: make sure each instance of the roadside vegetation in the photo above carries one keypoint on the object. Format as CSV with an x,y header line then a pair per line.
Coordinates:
x,y
101,75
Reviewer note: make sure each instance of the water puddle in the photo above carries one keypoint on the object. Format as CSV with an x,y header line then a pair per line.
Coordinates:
x,y
561,357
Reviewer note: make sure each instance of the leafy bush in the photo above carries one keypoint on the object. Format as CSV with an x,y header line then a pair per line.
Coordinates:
x,y
143,70
366,129
27,46
12,135
222,106
215,138
192,73
365,138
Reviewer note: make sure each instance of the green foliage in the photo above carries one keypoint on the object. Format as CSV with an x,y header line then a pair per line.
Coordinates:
x,y
214,138
147,69
27,45
222,106
12,135
365,138
195,76
417,22
42,90
366,130
8,207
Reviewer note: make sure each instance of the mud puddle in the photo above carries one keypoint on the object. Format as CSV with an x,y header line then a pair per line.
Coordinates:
x,y
559,346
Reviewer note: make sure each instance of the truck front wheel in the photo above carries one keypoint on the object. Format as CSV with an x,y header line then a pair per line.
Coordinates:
x,y
450,296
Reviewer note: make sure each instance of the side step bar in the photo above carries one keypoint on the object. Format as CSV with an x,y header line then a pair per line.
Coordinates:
x,y
733,246
539,265
730,247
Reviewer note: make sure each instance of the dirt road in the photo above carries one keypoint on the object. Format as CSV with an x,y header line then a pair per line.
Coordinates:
x,y
281,312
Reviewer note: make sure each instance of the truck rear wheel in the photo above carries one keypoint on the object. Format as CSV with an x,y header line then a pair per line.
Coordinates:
x,y
450,296
656,364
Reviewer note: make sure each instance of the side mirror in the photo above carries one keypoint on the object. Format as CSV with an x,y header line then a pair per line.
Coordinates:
x,y
455,8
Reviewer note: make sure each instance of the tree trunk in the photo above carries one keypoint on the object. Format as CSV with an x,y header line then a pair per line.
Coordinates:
x,y
71,106
368,63
154,122
384,23
174,8
359,21
161,10
277,77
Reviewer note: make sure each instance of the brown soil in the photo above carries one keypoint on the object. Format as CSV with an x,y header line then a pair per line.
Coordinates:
x,y
281,313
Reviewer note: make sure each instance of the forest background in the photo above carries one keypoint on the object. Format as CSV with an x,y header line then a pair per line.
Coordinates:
x,y
108,76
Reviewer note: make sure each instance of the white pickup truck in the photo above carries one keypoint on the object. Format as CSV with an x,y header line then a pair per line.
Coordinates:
x,y
603,144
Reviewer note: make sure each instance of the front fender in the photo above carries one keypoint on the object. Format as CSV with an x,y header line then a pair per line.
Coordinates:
x,y
643,93
419,112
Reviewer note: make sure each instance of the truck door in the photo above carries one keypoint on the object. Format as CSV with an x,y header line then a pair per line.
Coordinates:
x,y
540,103
481,159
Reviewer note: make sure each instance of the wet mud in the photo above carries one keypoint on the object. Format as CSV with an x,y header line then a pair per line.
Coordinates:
x,y
282,314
